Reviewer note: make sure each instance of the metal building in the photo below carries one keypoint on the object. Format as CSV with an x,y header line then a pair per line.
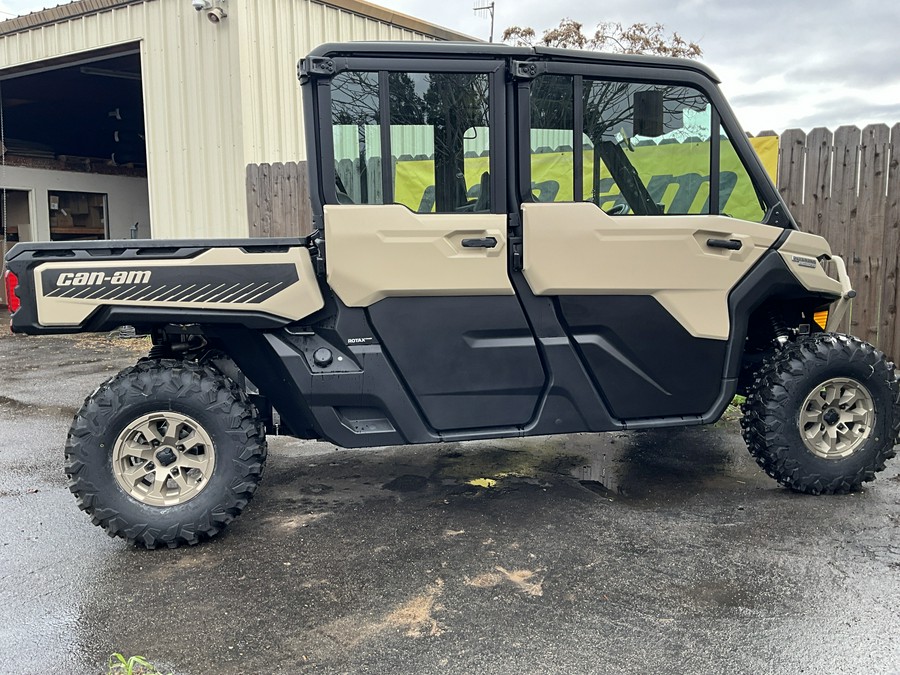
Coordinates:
x,y
145,117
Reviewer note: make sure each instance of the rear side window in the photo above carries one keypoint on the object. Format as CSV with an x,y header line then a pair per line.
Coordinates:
x,y
357,137
552,139
417,139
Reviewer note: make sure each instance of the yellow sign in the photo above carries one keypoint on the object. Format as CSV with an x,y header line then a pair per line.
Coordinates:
x,y
675,174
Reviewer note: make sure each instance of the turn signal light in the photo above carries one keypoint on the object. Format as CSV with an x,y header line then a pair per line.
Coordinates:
x,y
12,300
821,319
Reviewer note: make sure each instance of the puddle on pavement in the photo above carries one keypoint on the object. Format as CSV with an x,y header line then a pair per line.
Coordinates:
x,y
635,465
617,464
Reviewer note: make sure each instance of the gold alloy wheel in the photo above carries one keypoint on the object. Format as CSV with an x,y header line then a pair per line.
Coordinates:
x,y
163,459
836,418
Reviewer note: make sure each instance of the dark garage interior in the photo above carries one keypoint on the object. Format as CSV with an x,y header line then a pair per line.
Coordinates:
x,y
92,111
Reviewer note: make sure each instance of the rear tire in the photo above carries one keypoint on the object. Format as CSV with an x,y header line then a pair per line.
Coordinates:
x,y
823,414
165,453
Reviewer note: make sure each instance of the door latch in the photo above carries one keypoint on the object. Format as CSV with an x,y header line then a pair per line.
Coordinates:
x,y
485,242
730,244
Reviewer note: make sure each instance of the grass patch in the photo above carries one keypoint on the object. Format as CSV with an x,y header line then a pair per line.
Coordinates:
x,y
134,665
733,411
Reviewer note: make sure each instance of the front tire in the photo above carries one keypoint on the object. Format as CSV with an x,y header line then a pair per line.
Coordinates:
x,y
823,414
165,453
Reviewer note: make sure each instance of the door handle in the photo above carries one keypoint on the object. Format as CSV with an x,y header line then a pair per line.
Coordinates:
x,y
485,242
730,244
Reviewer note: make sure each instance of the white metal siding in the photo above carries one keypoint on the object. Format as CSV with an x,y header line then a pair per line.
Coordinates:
x,y
192,95
216,97
277,34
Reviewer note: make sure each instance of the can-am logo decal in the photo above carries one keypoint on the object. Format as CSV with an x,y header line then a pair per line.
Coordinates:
x,y
206,284
96,278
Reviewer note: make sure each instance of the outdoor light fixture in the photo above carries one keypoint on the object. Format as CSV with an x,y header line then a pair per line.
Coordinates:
x,y
216,14
107,72
200,5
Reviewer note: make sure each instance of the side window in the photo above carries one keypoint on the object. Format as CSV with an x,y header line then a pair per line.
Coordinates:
x,y
552,139
440,142
357,138
651,148
438,159
634,149
738,197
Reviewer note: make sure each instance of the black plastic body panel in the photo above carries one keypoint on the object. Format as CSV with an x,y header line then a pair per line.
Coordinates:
x,y
641,358
128,249
571,402
322,402
470,362
768,278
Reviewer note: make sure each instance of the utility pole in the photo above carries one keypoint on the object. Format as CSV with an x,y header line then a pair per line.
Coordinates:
x,y
481,8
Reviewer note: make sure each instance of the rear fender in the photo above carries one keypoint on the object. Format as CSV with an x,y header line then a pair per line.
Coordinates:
x,y
97,286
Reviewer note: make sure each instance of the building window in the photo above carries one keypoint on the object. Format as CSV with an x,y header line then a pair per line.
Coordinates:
x,y
77,216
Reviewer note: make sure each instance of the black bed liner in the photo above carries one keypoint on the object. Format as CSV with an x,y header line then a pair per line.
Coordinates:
x,y
125,249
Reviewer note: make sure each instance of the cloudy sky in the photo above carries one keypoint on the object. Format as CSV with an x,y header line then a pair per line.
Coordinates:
x,y
783,63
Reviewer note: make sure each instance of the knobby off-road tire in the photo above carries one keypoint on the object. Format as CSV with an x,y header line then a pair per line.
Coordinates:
x,y
165,453
823,414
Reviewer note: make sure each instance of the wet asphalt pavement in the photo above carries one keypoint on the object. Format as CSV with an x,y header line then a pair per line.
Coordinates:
x,y
666,552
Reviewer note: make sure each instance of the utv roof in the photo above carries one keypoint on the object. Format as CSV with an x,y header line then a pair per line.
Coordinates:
x,y
474,50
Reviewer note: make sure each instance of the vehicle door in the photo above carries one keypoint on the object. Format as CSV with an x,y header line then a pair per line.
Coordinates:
x,y
416,232
638,218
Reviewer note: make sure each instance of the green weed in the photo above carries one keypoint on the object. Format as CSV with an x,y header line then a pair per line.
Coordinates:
x,y
135,665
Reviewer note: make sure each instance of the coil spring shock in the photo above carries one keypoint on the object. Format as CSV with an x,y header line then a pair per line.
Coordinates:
x,y
158,352
779,330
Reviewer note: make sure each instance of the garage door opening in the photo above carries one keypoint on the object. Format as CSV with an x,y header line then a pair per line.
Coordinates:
x,y
15,226
73,135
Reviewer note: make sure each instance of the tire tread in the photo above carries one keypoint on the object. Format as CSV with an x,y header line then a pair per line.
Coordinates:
x,y
168,378
767,413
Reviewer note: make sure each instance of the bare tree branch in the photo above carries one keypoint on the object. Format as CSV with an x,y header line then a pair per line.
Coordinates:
x,y
612,36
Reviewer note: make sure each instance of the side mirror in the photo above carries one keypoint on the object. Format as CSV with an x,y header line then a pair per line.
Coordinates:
x,y
648,113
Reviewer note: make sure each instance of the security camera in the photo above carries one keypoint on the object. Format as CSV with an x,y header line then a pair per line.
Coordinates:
x,y
216,14
200,5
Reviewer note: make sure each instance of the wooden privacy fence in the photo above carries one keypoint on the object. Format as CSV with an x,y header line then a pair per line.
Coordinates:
x,y
845,186
278,200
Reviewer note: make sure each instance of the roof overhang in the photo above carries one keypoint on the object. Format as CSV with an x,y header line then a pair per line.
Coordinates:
x,y
79,8
71,10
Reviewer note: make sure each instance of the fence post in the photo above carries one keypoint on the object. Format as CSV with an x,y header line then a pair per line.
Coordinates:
x,y
889,330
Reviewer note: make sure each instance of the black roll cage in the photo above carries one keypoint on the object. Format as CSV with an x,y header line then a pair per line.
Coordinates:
x,y
511,70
